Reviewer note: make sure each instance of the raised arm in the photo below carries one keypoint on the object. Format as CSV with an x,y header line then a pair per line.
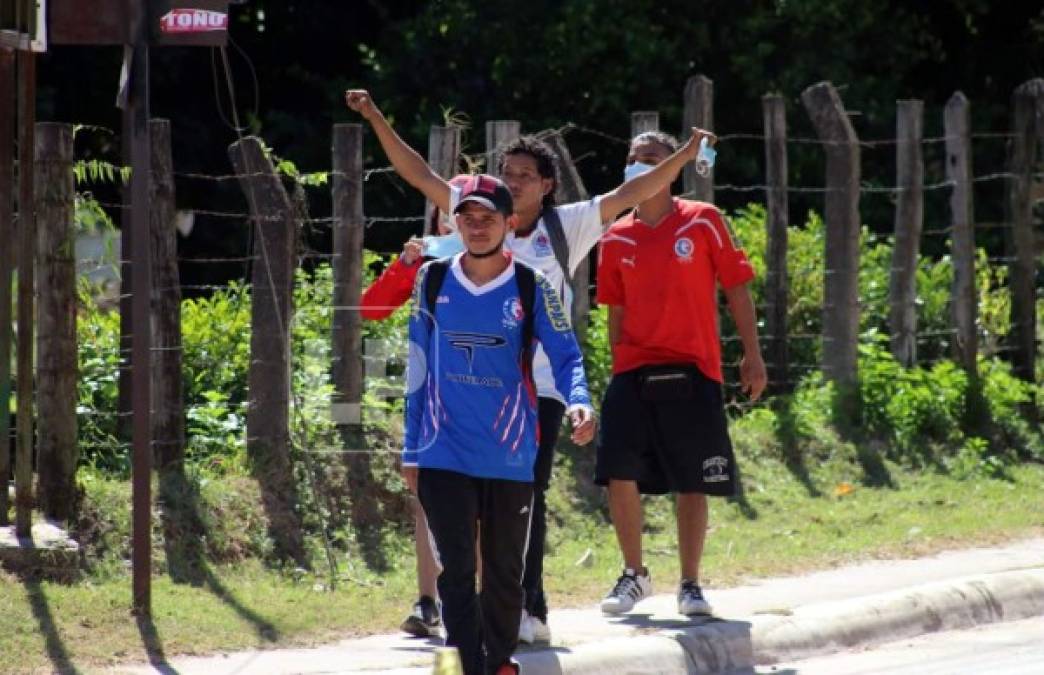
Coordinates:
x,y
408,164
637,190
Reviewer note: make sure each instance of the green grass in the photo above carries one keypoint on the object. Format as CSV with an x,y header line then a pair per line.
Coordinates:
x,y
787,522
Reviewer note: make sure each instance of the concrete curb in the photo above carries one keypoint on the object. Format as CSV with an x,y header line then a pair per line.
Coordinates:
x,y
726,646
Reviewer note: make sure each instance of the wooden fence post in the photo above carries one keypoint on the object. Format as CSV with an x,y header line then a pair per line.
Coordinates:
x,y
168,417
348,372
698,112
644,120
7,234
909,222
56,365
443,156
964,303
776,279
571,189
841,278
498,134
1028,128
124,386
26,294
349,226
268,429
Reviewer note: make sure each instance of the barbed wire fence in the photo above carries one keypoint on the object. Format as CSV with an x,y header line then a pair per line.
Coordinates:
x,y
937,168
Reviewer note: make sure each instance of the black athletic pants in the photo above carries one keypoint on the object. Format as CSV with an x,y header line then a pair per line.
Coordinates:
x,y
483,627
549,412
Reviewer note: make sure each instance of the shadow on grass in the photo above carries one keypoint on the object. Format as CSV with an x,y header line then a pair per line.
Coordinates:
x,y
871,461
580,461
789,440
56,650
746,509
183,532
847,418
364,499
154,646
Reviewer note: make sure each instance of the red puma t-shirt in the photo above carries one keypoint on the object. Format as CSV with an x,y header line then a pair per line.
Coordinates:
x,y
665,277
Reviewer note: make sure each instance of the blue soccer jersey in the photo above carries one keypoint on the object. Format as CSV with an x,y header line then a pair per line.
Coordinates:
x,y
469,406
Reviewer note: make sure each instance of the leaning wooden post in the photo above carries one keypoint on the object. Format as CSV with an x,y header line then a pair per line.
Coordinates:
x,y
841,278
7,234
56,365
698,112
909,222
168,417
571,189
268,381
964,305
498,134
776,222
1028,129
26,294
443,155
644,120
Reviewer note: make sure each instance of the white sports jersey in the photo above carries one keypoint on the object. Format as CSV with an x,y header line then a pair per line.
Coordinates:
x,y
582,224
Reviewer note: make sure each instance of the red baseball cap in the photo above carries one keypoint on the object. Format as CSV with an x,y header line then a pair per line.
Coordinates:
x,y
488,191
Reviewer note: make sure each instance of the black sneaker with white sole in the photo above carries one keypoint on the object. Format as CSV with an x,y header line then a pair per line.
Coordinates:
x,y
425,620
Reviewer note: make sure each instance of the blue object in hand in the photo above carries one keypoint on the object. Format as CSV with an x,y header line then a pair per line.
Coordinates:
x,y
705,158
444,246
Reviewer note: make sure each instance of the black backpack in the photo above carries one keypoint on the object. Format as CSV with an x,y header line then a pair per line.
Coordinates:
x,y
525,277
559,243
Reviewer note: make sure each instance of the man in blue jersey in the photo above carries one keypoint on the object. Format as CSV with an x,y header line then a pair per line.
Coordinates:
x,y
471,418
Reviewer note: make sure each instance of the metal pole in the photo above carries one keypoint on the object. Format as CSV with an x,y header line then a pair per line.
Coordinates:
x,y
26,293
136,125
7,234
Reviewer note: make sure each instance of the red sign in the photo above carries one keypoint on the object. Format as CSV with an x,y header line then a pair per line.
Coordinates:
x,y
180,21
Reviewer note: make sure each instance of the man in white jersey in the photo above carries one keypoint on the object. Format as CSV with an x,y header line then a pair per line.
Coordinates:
x,y
528,168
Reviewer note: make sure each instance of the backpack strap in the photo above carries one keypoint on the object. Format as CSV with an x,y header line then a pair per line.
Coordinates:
x,y
433,282
559,243
525,277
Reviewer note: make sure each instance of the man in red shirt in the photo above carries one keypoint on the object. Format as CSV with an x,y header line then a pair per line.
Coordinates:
x,y
663,417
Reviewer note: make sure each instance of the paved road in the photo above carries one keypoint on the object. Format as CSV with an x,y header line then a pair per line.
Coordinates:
x,y
1012,648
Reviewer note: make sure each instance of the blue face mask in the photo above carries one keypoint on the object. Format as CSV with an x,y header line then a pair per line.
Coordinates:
x,y
444,246
705,158
632,171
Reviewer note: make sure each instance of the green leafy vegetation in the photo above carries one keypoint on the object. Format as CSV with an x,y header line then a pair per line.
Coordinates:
x,y
812,496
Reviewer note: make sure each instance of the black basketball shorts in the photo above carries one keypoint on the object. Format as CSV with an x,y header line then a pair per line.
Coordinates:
x,y
665,427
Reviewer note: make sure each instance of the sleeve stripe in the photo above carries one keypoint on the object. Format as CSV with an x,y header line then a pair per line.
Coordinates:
x,y
702,221
616,237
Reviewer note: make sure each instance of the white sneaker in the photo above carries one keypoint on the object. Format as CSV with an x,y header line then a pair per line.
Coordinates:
x,y
531,629
691,601
630,588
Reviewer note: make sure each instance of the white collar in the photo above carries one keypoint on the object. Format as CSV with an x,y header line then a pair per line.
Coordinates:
x,y
491,285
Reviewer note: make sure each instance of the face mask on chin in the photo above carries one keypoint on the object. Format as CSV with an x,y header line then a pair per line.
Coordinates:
x,y
632,171
499,248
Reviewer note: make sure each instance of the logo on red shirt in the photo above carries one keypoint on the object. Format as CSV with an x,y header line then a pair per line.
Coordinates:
x,y
683,249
